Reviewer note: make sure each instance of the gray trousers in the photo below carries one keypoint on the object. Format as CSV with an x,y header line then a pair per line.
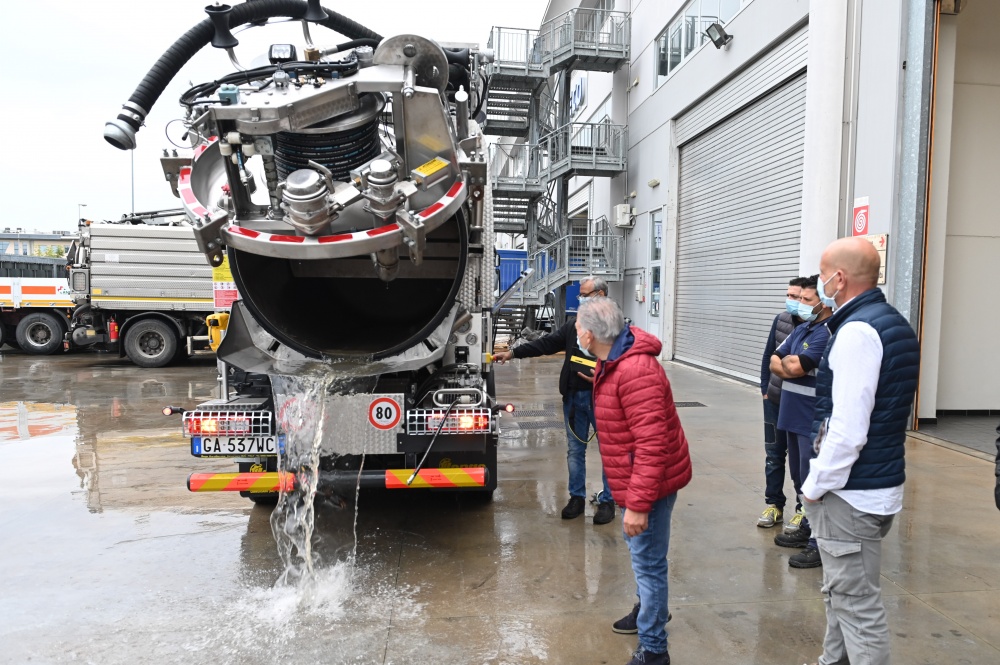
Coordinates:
x,y
850,546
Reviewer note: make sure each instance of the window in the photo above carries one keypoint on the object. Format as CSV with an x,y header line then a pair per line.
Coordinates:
x,y
3,246
656,252
686,33
656,234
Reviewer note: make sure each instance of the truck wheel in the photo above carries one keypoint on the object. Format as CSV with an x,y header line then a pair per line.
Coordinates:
x,y
40,334
150,343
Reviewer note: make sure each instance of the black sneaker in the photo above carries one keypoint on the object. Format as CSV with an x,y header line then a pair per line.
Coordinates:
x,y
798,538
643,657
629,624
605,512
574,508
807,558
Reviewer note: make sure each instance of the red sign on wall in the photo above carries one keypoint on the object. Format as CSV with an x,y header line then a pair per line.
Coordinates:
x,y
860,226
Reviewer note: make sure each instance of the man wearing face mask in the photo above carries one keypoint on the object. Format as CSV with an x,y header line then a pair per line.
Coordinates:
x,y
775,440
864,394
795,363
576,387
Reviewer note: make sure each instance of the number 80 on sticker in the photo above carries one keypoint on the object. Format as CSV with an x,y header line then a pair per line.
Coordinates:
x,y
384,413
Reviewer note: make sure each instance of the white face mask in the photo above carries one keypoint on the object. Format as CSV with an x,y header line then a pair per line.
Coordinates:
x,y
828,301
584,351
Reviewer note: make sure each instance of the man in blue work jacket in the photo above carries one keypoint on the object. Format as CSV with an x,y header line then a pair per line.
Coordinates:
x,y
795,363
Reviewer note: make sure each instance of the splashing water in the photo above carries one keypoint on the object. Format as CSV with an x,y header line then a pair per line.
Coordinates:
x,y
301,402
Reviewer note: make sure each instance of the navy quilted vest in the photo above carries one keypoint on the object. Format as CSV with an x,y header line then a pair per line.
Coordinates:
x,y
881,463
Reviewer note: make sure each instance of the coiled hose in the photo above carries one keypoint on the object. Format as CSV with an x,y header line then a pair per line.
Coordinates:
x,y
121,132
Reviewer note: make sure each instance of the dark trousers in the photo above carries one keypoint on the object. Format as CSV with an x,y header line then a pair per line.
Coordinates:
x,y
775,450
804,444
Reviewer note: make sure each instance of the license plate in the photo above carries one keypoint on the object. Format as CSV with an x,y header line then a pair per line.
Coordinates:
x,y
236,446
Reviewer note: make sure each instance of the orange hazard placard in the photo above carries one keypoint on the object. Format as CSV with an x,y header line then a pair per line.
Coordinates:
x,y
384,413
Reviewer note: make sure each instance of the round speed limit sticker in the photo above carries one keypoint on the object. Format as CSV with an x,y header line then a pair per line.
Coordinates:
x,y
384,413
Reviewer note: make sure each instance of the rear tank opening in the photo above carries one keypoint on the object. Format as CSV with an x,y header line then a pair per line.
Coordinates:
x,y
340,308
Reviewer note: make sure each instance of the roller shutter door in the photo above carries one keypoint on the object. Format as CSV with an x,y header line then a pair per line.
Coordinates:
x,y
579,202
739,209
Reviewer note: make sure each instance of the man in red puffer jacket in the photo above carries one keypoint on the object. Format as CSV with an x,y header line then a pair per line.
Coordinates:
x,y
645,456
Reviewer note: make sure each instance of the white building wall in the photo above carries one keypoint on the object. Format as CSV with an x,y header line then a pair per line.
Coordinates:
x,y
969,371
877,140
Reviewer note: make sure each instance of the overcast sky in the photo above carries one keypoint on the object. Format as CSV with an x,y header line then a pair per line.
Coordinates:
x,y
69,65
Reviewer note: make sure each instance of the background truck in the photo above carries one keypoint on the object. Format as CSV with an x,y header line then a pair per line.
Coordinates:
x,y
142,289
35,303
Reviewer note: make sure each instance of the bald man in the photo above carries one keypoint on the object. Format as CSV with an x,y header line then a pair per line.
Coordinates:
x,y
864,393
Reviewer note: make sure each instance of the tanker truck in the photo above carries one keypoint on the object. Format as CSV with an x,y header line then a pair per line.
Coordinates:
x,y
346,185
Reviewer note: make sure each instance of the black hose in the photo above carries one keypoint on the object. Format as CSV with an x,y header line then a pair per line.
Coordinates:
x,y
344,68
354,43
175,57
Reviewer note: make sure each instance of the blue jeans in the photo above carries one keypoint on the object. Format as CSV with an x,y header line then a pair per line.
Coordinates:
x,y
578,410
775,451
649,564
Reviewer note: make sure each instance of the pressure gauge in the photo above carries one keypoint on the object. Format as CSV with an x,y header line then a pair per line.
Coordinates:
x,y
471,339
465,327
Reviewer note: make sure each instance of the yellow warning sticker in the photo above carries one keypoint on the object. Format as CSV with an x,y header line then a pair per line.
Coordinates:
x,y
222,273
431,167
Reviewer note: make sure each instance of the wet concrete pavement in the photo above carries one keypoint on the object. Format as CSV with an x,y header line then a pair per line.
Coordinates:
x,y
109,559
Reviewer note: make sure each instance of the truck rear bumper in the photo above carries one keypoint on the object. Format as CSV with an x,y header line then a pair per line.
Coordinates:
x,y
340,482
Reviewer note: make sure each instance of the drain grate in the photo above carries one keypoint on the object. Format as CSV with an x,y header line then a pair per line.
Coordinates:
x,y
529,413
542,424
681,405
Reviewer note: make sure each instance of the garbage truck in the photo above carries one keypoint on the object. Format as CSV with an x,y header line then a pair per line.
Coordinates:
x,y
142,288
346,184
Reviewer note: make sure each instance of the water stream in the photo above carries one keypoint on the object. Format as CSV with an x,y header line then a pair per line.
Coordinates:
x,y
301,403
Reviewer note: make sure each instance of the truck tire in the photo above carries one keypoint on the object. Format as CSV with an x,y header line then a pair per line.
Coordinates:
x,y
150,343
40,334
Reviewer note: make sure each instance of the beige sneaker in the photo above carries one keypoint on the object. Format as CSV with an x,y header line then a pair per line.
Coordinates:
x,y
770,517
795,522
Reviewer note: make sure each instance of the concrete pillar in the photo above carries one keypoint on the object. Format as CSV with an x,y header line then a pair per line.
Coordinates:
x,y
821,187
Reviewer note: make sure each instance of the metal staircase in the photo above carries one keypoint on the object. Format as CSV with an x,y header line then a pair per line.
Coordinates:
x,y
528,101
571,257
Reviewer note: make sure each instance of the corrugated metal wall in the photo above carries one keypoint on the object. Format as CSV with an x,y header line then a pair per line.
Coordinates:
x,y
739,209
779,64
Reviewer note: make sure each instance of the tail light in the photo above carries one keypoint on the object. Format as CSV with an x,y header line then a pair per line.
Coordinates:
x,y
227,423
459,421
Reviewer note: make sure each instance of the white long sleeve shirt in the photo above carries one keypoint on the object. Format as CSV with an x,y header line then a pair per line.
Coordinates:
x,y
856,360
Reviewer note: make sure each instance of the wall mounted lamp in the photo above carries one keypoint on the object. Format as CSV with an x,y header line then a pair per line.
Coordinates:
x,y
718,35
653,183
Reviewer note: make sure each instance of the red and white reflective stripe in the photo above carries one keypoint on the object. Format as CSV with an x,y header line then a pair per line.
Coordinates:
x,y
191,203
455,190
453,193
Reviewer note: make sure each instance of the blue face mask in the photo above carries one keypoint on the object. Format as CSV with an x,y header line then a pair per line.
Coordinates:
x,y
805,312
792,306
828,301
584,351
